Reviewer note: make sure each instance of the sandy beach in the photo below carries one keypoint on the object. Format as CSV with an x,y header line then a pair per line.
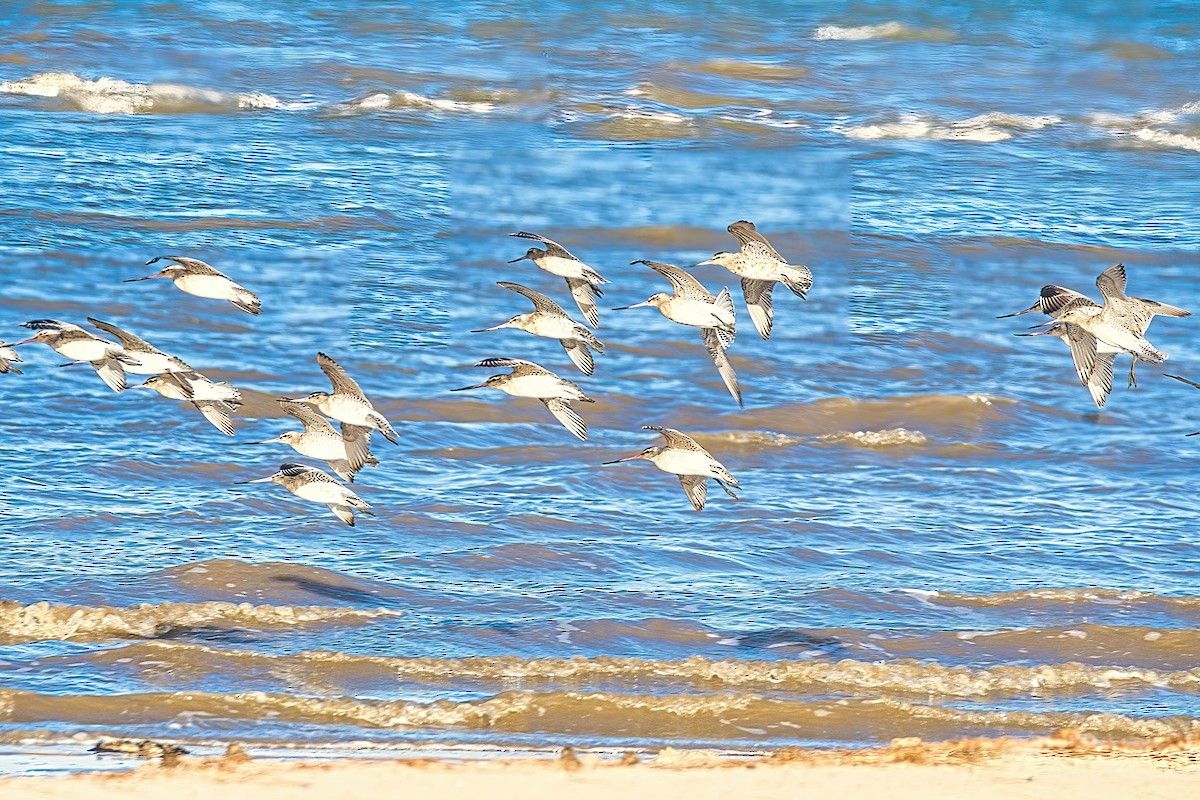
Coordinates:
x,y
1063,767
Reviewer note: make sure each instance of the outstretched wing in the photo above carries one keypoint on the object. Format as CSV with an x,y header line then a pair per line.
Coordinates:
x,y
1184,380
752,241
569,418
759,304
517,365
501,361
1083,351
682,283
1100,383
1111,282
50,324
580,355
696,488
676,439
309,418
342,383
1155,307
217,413
128,340
585,294
358,445
539,300
194,265
1055,299
112,373
553,248
712,343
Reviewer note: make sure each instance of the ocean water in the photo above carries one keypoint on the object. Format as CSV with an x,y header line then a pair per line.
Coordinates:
x,y
939,534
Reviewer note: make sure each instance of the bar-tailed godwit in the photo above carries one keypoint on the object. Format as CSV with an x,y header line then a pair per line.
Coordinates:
x,y
760,267
528,379
583,281
550,320
193,276
310,483
683,456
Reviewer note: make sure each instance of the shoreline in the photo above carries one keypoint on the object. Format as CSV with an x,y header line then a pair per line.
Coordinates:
x,y
1064,766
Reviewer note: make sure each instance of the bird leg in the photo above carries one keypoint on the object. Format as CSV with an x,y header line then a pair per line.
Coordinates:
x,y
1132,377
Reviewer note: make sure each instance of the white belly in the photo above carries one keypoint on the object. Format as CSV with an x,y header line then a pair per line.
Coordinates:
x,y
552,327
345,409
757,268
326,448
684,462
204,389
538,386
322,492
84,350
563,267
149,364
211,286
696,313
1116,336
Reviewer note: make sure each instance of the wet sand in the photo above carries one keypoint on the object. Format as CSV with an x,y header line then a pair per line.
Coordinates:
x,y
1064,767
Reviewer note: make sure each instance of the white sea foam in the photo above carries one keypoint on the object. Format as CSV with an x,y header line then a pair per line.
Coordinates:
x,y
381,101
653,116
112,96
1151,126
991,127
892,437
859,33
1167,139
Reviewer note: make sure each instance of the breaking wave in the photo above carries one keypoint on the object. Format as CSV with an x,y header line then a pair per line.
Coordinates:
x,y
992,127
43,621
892,437
382,101
886,30
112,96
846,676
712,716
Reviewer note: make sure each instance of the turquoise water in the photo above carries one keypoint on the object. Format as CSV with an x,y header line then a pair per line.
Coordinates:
x,y
938,534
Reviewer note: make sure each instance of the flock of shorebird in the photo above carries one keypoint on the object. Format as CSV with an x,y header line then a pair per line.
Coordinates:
x,y
1095,332
1098,332
756,262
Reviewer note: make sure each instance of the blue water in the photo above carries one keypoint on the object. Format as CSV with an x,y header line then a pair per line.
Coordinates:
x,y
923,493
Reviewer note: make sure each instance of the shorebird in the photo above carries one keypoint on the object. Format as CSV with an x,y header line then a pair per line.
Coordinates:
x,y
683,456
347,403
760,267
7,354
1096,375
310,483
1055,300
1189,383
145,358
345,453
1120,323
107,358
583,281
194,277
693,305
216,401
531,380
548,319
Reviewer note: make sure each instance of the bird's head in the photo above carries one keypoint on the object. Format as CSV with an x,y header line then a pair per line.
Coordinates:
x,y
533,254
646,455
655,300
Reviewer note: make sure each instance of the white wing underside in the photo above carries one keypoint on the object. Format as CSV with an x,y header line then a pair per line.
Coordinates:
x,y
569,418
